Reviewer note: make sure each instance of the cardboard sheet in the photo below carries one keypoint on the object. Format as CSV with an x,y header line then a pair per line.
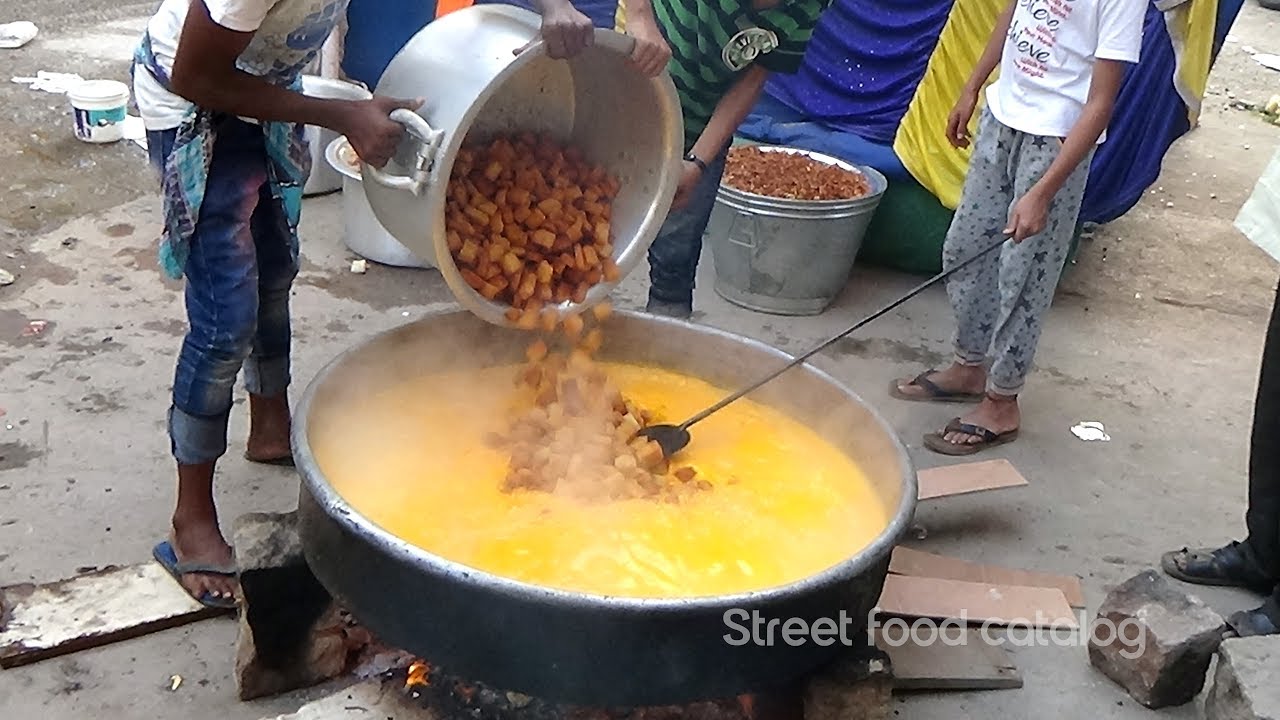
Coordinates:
x,y
968,478
906,561
43,621
970,602
969,662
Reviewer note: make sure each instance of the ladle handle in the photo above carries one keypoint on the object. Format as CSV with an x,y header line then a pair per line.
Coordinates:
x,y
428,141
882,311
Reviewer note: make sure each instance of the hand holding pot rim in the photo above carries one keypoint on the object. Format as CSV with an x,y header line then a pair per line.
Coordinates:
x,y
371,131
565,30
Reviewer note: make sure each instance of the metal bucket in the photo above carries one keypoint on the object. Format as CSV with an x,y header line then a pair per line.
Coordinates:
x,y
788,257
575,647
465,67
324,179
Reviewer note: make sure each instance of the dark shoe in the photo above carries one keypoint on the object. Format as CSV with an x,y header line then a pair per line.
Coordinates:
x,y
1227,566
679,311
1263,620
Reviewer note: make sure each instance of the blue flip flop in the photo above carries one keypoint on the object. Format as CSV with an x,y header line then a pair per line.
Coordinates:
x,y
168,559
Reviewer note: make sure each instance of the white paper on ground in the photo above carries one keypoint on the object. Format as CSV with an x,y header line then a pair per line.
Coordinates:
x,y
1091,431
1259,218
1268,61
51,82
16,34
135,131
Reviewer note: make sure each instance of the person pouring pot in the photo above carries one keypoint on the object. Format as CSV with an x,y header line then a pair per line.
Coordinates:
x,y
218,86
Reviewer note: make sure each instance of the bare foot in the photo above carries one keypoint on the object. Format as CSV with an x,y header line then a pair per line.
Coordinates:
x,y
269,428
199,542
962,379
997,413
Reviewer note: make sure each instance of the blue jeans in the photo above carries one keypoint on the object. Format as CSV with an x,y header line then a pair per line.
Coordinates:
x,y
238,279
673,256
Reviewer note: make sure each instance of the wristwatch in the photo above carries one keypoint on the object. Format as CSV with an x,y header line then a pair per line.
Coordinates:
x,y
690,157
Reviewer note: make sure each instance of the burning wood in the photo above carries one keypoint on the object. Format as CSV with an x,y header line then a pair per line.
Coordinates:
x,y
417,675
452,698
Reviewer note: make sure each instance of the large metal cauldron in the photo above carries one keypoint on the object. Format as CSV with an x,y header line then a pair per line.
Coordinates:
x,y
463,65
574,647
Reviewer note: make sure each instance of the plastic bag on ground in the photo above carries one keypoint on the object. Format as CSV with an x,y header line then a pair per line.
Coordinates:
x,y
1259,218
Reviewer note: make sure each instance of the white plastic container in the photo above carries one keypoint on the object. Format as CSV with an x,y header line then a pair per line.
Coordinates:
x,y
325,179
363,234
99,108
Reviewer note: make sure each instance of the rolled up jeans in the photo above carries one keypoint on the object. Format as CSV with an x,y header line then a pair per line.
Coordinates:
x,y
674,254
238,278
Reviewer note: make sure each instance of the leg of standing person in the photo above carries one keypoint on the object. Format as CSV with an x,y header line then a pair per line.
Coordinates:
x,y
1263,515
1029,273
222,310
979,222
266,371
1254,563
674,254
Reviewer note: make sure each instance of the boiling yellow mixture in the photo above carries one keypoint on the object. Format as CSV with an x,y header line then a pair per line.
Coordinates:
x,y
784,505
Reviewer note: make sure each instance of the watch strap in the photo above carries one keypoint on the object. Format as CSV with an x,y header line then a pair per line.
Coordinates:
x,y
690,157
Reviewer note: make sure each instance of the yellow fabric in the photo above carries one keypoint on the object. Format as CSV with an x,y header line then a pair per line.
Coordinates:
x,y
1191,28
620,17
921,141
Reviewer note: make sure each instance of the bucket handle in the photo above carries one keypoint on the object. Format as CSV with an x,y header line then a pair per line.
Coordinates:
x,y
428,141
750,241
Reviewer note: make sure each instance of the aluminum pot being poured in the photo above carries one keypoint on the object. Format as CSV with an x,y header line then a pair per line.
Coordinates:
x,y
464,66
577,647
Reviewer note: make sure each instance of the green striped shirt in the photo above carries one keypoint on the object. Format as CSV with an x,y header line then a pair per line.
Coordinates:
x,y
713,41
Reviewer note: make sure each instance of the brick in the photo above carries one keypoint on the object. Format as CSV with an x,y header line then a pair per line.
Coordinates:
x,y
292,635
1154,640
1244,683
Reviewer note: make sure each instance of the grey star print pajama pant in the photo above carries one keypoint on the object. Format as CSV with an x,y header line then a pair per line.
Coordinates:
x,y
1000,300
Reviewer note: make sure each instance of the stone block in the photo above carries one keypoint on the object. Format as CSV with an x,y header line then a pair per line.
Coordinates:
x,y
1154,640
858,684
292,635
1244,683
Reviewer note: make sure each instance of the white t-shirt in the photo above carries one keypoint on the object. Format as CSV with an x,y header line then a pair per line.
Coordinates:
x,y
1048,59
286,33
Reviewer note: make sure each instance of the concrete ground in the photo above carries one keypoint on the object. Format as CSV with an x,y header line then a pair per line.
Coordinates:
x,y
1156,333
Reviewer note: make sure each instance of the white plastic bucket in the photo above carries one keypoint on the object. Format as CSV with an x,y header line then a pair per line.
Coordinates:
x,y
324,178
99,108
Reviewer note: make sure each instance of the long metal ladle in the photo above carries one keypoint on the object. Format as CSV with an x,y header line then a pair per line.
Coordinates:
x,y
674,438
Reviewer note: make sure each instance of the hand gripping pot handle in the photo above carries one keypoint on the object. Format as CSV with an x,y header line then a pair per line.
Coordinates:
x,y
428,142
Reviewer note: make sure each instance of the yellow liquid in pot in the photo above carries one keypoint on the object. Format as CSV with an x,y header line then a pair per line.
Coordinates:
x,y
785,503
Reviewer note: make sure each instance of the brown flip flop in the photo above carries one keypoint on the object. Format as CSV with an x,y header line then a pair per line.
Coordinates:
x,y
936,441
934,393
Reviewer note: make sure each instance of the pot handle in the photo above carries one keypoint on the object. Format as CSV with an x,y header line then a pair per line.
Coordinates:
x,y
428,142
620,43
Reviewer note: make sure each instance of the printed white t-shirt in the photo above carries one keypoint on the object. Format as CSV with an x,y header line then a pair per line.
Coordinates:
x,y
285,33
1047,64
